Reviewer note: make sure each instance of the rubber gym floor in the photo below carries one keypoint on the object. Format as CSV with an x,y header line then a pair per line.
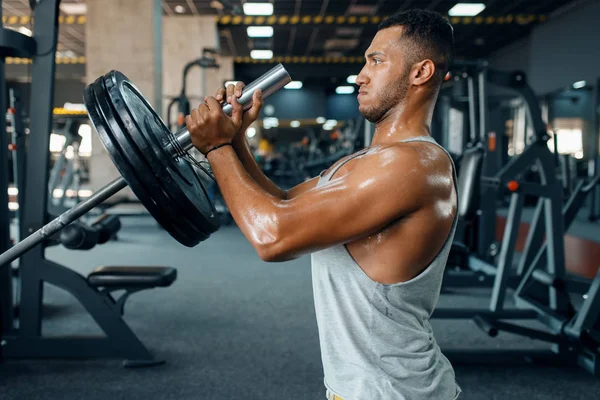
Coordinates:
x,y
234,327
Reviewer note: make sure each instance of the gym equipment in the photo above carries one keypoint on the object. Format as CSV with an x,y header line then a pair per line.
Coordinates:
x,y
17,147
21,333
182,101
151,160
544,288
12,44
80,236
66,172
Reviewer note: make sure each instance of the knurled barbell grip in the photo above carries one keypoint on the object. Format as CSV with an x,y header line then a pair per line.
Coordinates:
x,y
58,223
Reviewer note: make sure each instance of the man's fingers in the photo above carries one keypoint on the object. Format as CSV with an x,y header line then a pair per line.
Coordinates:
x,y
230,91
213,105
257,103
237,112
239,86
220,95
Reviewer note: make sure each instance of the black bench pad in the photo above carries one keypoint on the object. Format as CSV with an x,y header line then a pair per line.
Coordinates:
x,y
132,277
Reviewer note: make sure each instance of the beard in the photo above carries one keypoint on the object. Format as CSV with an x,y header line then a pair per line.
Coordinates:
x,y
388,98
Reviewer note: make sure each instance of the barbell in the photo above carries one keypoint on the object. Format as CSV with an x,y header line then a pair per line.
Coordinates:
x,y
152,161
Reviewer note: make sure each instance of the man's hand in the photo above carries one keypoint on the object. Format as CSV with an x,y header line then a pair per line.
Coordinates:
x,y
251,114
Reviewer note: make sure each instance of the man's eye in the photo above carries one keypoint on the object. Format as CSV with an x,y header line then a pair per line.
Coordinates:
x,y
376,61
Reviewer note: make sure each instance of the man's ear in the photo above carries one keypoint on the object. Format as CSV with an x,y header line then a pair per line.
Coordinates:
x,y
422,72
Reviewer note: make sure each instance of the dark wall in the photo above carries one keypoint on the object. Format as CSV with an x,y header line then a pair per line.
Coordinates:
x,y
342,106
312,103
65,91
559,52
297,104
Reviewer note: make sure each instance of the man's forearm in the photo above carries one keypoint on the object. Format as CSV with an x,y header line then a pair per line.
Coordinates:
x,y
247,159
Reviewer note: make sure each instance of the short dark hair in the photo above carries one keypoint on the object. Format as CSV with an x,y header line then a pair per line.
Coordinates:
x,y
431,34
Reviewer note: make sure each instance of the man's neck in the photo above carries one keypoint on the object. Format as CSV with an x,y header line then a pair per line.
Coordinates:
x,y
406,120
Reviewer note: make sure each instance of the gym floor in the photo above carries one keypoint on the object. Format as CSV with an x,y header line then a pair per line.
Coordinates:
x,y
234,327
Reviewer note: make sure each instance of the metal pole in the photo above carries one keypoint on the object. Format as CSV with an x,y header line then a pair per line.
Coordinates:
x,y
594,168
57,224
368,132
472,113
5,272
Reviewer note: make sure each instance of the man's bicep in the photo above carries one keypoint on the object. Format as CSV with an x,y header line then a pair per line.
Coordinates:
x,y
345,209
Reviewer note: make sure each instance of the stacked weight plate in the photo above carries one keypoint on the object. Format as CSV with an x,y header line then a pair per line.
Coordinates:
x,y
136,139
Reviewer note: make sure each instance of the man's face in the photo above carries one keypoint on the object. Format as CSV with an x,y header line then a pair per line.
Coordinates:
x,y
383,80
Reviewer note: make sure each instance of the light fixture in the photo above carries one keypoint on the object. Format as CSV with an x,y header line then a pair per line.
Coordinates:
x,y
13,191
351,79
73,8
260,31
13,206
179,9
217,5
295,124
258,8
293,85
261,54
329,124
344,89
25,31
579,84
320,120
466,9
251,132
270,122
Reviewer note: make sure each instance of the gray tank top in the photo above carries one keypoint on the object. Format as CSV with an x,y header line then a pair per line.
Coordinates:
x,y
376,339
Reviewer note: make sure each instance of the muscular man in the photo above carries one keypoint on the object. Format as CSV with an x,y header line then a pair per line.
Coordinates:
x,y
379,223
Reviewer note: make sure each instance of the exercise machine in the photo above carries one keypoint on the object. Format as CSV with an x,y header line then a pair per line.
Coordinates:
x,y
183,103
21,334
544,288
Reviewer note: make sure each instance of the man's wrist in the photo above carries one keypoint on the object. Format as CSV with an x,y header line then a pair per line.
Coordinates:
x,y
216,148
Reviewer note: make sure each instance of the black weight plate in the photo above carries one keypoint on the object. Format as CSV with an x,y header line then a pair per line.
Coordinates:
x,y
172,219
148,130
104,122
100,118
182,183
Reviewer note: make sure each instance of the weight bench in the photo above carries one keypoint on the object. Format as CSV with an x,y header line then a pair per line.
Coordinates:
x,y
129,279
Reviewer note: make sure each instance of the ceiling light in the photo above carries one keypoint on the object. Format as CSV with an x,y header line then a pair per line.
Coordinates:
x,y
261,54
73,8
466,9
320,120
329,124
258,8
179,9
217,5
24,31
13,206
293,85
260,31
579,85
251,132
295,124
351,79
344,89
270,122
